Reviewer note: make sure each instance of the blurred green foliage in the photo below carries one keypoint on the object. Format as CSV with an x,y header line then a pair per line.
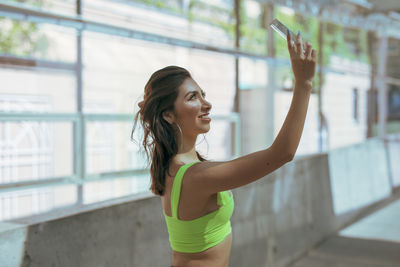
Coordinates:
x,y
21,38
220,17
215,15
337,40
345,42
35,3
253,38
391,127
168,5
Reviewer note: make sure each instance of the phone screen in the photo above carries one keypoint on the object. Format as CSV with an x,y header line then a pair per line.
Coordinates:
x,y
280,28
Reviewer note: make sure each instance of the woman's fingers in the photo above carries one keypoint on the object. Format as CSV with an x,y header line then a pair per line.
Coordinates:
x,y
289,39
299,50
299,46
314,55
307,53
290,43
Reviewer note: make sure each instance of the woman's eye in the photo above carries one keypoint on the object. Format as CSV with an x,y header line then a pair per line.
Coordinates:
x,y
204,96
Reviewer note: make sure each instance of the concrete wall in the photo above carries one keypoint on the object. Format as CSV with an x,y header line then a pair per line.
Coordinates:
x,y
392,143
276,218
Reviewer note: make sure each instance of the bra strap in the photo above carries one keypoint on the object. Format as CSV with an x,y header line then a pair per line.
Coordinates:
x,y
176,188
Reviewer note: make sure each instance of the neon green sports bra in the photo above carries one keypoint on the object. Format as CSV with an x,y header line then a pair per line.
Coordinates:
x,y
201,233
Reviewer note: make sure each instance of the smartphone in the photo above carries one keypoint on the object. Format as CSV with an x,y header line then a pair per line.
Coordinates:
x,y
280,28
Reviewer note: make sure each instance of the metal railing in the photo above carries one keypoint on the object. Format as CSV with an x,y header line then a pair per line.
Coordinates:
x,y
80,177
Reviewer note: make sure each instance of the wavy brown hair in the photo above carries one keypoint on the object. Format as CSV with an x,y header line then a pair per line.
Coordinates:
x,y
160,93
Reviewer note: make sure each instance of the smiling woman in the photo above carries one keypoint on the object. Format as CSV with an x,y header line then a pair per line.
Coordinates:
x,y
197,209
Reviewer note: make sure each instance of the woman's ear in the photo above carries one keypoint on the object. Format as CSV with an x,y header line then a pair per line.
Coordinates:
x,y
168,116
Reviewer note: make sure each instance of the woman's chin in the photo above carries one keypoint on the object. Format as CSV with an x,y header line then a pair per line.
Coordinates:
x,y
204,129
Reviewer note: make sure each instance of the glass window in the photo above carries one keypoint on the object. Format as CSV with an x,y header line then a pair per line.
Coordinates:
x,y
39,91
254,104
338,106
344,42
34,201
117,69
253,36
206,22
33,150
217,144
37,40
113,188
108,146
253,73
65,7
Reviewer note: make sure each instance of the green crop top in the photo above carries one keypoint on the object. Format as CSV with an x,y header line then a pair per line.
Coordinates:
x,y
201,233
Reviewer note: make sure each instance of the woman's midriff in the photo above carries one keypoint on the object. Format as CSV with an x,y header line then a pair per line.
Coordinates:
x,y
217,256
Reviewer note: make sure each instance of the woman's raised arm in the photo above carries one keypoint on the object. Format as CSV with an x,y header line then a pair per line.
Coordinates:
x,y
212,177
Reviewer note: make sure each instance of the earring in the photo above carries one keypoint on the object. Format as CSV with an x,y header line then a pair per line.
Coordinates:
x,y
180,131
204,138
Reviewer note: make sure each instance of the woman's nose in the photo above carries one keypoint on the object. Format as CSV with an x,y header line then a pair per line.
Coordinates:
x,y
208,104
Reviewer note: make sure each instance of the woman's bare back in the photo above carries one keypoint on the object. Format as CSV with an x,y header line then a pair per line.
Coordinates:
x,y
192,205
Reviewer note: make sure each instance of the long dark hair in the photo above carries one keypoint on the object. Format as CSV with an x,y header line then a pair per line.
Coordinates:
x,y
160,94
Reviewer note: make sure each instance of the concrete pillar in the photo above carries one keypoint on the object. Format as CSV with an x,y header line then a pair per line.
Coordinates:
x,y
380,84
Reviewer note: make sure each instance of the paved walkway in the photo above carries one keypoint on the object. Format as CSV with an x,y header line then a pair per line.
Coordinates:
x,y
371,242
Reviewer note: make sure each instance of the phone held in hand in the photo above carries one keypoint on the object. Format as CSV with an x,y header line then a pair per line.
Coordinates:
x,y
280,28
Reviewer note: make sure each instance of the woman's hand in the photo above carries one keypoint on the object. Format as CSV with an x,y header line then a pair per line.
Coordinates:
x,y
303,59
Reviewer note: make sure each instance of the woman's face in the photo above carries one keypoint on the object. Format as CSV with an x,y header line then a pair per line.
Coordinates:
x,y
189,105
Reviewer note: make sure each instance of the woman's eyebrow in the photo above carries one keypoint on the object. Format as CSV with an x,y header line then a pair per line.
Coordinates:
x,y
203,92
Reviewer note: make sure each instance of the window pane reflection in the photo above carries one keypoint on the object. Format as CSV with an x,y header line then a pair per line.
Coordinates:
x,y
39,91
117,69
34,150
65,7
118,187
38,40
35,201
338,103
109,147
253,37
207,22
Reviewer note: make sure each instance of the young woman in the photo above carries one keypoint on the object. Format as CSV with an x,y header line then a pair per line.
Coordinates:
x,y
198,208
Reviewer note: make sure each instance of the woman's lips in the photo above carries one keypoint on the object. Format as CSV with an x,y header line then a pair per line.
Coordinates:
x,y
205,118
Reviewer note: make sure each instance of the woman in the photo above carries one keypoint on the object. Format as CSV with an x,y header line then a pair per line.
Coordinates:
x,y
197,209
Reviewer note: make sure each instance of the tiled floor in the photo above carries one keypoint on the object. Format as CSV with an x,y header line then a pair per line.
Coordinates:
x,y
382,225
371,242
